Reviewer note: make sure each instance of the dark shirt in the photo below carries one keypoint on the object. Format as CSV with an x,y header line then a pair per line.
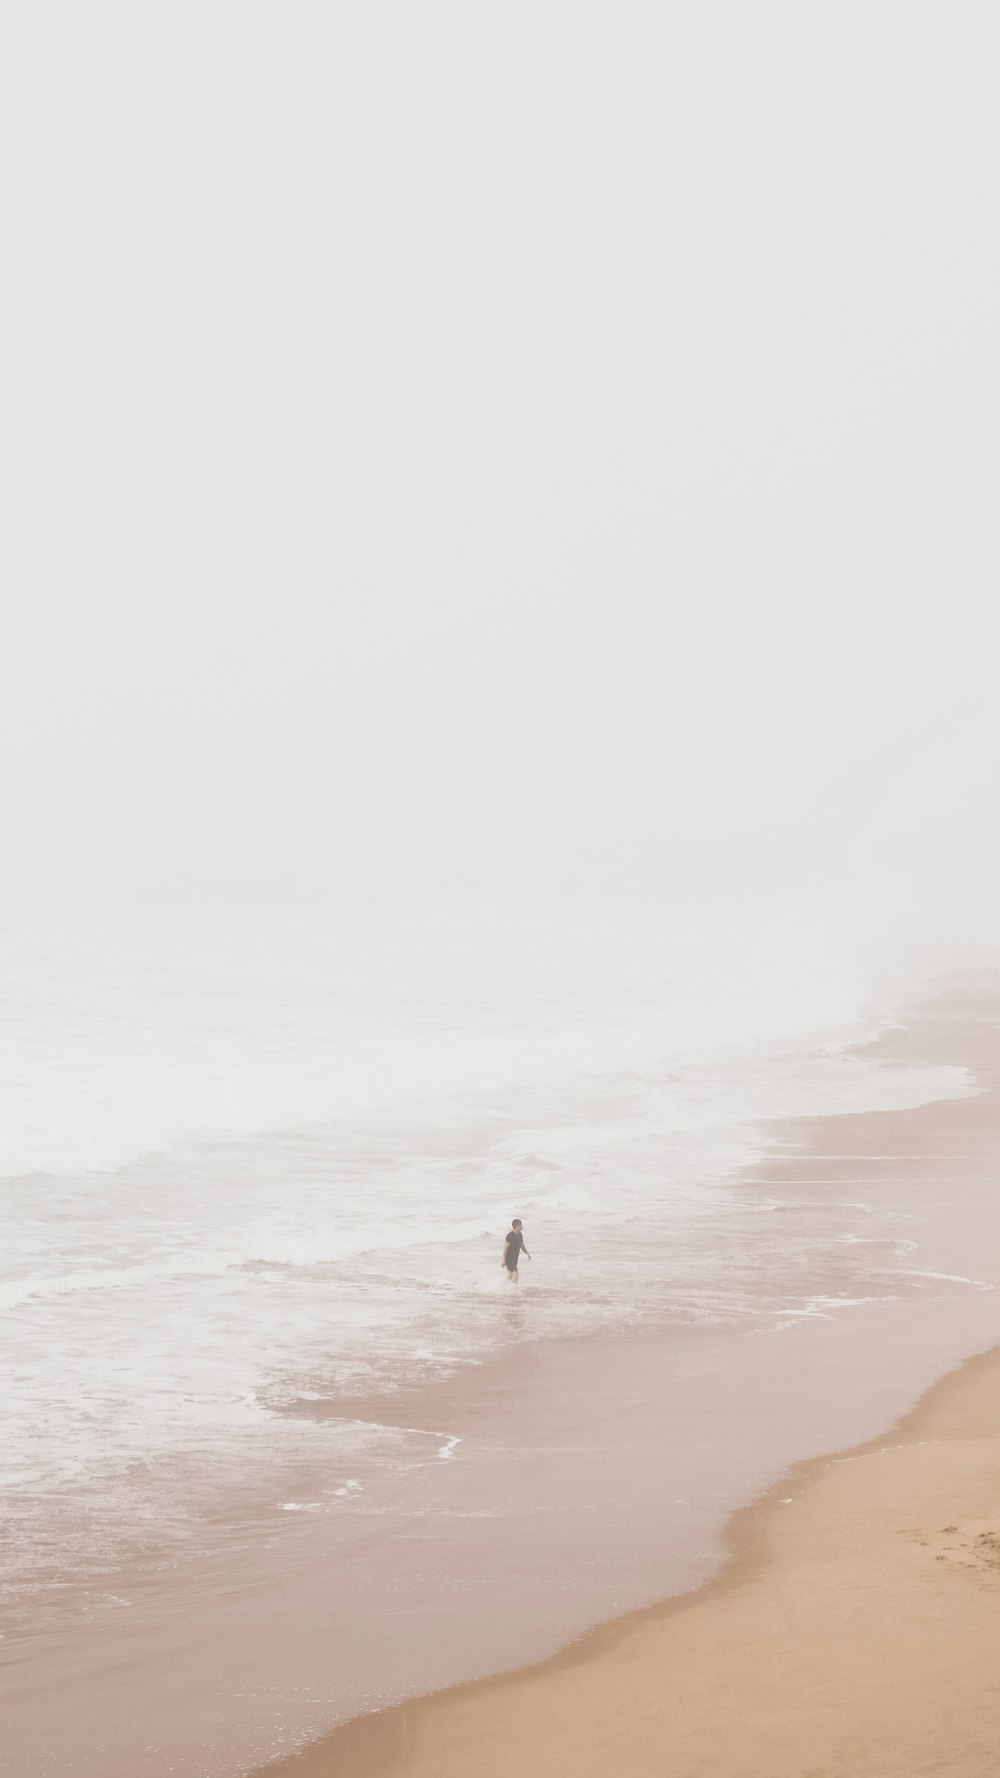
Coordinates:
x,y
515,1241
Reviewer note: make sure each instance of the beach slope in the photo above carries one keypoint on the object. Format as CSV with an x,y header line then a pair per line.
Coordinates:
x,y
856,1630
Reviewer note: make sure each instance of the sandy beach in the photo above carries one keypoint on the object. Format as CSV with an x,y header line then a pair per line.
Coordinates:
x,y
852,1628
853,1631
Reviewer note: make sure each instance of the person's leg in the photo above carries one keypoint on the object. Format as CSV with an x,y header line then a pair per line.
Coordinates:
x,y
512,1277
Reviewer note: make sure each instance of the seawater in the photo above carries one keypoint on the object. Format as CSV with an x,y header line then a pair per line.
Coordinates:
x,y
252,1166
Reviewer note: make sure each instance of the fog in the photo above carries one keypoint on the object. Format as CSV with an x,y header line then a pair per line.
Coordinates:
x,y
469,451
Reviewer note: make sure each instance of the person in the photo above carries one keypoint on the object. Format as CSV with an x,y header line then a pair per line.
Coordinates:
x,y
513,1247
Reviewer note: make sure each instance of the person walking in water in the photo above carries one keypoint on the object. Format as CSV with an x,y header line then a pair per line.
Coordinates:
x,y
513,1247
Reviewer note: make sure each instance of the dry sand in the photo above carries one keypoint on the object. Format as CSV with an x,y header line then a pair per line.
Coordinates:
x,y
856,1630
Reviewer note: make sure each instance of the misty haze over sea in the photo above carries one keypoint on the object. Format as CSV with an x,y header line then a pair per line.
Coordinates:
x,y
456,456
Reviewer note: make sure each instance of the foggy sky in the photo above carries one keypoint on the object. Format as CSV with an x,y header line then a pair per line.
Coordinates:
x,y
477,450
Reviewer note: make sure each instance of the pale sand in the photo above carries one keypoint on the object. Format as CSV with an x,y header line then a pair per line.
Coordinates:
x,y
856,1630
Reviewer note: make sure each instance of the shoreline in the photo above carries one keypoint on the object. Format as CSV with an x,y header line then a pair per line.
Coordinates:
x,y
418,1735
594,1476
931,1139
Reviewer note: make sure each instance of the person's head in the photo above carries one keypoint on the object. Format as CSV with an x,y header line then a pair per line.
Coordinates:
x,y
516,1223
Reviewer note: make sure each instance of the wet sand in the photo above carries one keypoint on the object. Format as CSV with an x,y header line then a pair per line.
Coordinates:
x,y
852,1629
